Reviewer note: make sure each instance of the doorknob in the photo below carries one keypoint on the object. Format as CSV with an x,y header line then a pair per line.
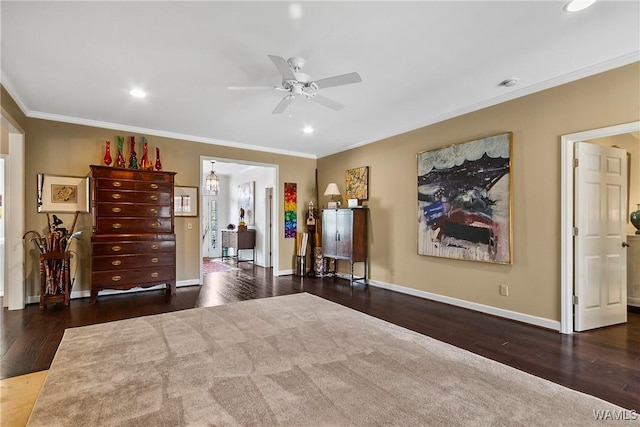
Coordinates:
x,y
625,245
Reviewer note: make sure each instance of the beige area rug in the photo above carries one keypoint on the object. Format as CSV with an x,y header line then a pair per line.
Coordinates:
x,y
295,360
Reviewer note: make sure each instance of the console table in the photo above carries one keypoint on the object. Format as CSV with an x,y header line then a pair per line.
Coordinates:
x,y
239,240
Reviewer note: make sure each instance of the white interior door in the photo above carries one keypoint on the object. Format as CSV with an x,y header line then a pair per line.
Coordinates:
x,y
600,252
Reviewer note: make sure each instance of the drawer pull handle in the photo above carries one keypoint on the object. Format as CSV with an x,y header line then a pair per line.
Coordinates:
x,y
116,196
155,247
116,248
153,210
154,274
116,278
154,224
116,262
117,184
154,186
117,225
154,198
116,210
154,260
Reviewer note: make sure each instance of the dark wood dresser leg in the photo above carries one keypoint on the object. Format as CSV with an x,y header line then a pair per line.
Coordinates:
x,y
94,296
171,288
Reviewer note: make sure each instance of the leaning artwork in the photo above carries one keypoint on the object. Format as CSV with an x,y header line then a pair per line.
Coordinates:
x,y
464,201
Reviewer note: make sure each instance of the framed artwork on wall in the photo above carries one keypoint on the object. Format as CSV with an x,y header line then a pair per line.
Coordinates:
x,y
290,210
246,202
58,193
465,199
357,183
185,201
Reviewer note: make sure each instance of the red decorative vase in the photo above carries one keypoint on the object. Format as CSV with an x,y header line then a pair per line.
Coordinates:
x,y
158,163
107,153
145,163
120,163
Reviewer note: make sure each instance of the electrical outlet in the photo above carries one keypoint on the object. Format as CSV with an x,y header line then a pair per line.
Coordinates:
x,y
189,226
504,290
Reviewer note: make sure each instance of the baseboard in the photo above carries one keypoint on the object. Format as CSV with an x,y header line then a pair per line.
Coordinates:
x,y
35,299
284,273
633,301
500,312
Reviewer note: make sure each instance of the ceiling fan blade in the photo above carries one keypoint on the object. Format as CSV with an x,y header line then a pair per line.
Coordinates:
x,y
283,104
343,79
282,66
251,87
323,100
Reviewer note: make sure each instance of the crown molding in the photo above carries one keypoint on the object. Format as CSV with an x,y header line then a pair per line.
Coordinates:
x,y
567,78
166,134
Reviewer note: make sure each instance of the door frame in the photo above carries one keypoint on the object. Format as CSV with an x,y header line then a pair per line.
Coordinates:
x,y
567,213
14,292
275,214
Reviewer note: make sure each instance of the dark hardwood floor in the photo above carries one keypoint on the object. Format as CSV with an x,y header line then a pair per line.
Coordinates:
x,y
603,362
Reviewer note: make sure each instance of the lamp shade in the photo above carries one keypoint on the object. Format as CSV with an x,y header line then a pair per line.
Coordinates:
x,y
332,190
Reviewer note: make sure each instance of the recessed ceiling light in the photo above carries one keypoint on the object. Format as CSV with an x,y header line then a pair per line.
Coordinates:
x,y
509,82
578,5
295,10
307,130
138,93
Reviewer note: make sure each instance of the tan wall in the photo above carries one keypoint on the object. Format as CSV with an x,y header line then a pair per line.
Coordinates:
x,y
68,149
15,116
537,122
10,106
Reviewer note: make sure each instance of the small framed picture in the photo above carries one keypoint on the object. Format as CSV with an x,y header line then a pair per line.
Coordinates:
x,y
62,193
185,201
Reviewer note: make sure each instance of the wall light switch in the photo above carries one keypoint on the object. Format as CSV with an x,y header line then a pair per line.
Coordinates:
x,y
189,226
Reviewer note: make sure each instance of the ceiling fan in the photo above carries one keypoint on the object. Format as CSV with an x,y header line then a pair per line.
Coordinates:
x,y
296,83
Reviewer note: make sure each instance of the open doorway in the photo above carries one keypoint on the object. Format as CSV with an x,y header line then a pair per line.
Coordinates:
x,y
568,199
221,211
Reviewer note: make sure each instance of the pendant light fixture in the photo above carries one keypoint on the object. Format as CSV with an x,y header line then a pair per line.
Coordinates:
x,y
212,183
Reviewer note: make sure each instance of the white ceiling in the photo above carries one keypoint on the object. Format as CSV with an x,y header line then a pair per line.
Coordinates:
x,y
421,62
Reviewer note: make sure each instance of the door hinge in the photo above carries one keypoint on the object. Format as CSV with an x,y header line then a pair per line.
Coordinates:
x,y
575,300
575,231
575,163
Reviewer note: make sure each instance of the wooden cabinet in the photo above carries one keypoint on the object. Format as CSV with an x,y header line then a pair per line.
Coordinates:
x,y
133,242
239,240
344,236
633,270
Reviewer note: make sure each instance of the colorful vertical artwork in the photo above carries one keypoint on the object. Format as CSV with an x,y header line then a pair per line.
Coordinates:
x,y
290,210
464,201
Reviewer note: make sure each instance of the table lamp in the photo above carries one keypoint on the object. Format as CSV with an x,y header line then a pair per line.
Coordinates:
x,y
332,190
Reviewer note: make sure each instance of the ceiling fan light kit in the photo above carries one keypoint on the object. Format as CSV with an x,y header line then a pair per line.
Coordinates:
x,y
296,83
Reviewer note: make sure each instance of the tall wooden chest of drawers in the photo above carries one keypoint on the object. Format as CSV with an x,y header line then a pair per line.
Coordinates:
x,y
133,242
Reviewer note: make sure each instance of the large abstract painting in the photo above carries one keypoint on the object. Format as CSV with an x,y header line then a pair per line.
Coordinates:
x,y
464,201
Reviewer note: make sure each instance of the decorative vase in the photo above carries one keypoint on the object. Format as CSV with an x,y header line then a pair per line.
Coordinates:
x,y
133,160
145,163
635,219
107,153
120,163
158,163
